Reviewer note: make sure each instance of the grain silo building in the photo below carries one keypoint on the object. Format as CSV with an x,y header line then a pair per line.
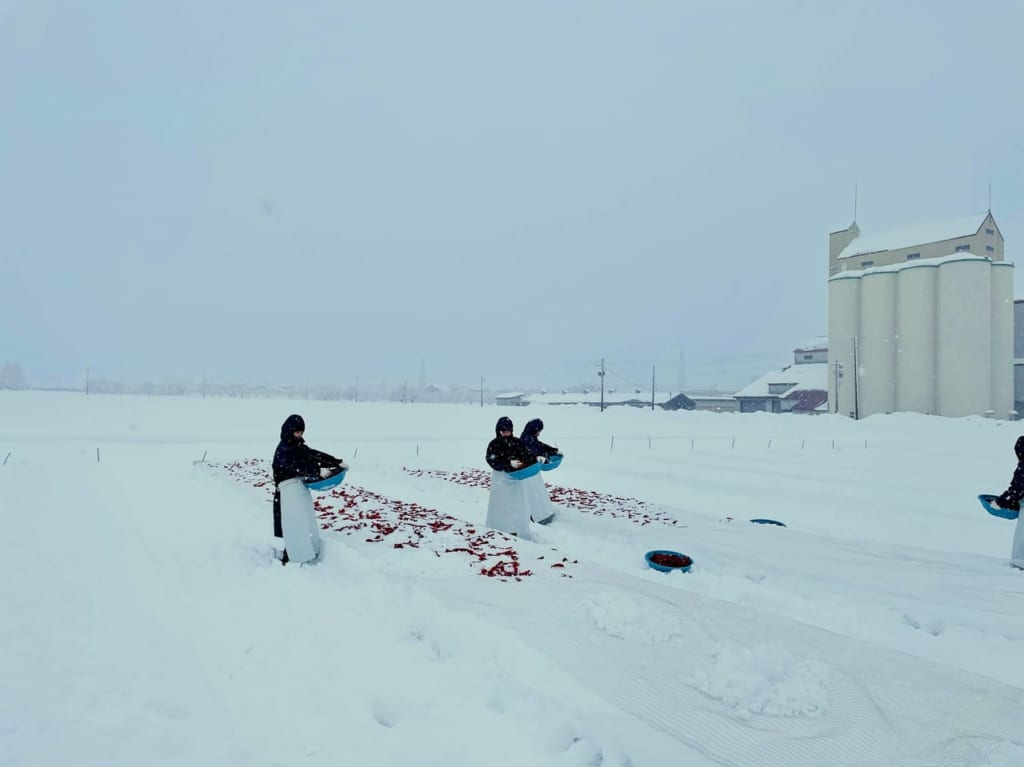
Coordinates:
x,y
922,321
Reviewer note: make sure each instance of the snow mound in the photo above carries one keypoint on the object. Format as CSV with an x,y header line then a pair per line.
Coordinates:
x,y
765,679
1008,755
631,618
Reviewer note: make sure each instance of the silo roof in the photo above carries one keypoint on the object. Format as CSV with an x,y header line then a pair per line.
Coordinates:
x,y
922,234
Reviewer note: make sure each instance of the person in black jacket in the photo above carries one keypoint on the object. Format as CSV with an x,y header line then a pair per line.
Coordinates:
x,y
294,458
508,506
541,510
505,452
531,438
1010,499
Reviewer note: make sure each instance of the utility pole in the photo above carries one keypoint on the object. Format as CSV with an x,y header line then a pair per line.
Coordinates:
x,y
87,380
601,374
837,372
204,383
652,387
856,386
481,391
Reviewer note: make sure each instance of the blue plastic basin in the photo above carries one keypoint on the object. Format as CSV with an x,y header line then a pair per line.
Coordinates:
x,y
328,482
1004,513
554,461
525,472
670,561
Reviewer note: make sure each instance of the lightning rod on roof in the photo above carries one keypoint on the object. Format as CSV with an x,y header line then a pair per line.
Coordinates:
x,y
989,198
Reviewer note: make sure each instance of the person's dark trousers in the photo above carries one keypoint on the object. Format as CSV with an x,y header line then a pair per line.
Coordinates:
x,y
278,531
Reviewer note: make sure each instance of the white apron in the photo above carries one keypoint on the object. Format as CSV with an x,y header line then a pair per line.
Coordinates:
x,y
298,521
541,509
1017,553
508,508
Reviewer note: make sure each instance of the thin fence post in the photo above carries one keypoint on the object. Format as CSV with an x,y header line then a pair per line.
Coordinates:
x,y
648,443
612,447
693,445
802,443
355,453
6,458
769,444
203,459
97,455
865,444
833,444
733,444
417,451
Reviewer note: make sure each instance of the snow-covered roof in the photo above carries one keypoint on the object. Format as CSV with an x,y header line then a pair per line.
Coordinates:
x,y
594,397
808,400
921,234
819,343
813,375
509,395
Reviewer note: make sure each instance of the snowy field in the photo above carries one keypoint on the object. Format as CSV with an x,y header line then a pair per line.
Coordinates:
x,y
144,622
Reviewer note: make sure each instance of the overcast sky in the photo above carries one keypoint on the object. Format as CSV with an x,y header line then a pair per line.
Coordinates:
x,y
317,191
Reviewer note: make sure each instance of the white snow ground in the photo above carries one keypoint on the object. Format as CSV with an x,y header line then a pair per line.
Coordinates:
x,y
143,620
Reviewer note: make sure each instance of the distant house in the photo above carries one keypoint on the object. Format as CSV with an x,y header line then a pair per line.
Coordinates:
x,y
511,399
812,352
798,388
808,401
680,402
714,403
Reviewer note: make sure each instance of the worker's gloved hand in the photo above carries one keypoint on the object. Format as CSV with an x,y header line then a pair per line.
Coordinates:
x,y
515,463
541,459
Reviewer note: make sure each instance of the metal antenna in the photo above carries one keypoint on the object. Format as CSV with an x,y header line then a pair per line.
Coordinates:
x,y
855,202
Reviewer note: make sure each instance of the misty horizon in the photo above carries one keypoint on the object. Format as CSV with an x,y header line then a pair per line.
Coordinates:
x,y
326,192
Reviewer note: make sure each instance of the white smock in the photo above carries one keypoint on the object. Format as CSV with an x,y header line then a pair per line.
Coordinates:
x,y
508,508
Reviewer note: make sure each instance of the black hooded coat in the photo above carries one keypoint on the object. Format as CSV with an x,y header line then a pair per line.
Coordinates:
x,y
501,451
294,458
1010,499
531,438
